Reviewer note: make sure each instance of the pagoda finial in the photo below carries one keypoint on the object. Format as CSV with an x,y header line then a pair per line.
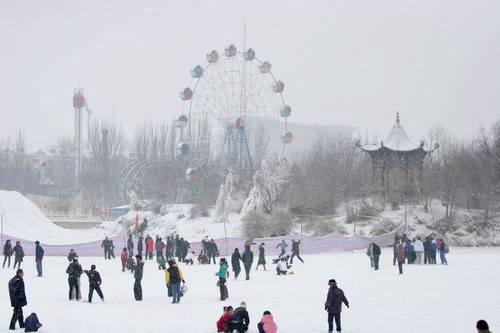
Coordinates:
x,y
397,117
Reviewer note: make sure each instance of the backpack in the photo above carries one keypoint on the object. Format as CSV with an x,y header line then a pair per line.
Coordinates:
x,y
175,277
446,248
31,323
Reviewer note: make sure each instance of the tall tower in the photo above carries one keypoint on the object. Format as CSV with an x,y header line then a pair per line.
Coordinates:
x,y
78,105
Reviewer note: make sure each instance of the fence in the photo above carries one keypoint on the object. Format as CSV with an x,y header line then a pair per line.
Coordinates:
x,y
309,245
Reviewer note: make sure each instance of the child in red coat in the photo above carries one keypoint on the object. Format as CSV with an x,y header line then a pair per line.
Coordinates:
x,y
224,319
124,258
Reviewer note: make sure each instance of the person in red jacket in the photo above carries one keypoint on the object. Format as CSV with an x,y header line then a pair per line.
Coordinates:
x,y
150,245
224,319
124,258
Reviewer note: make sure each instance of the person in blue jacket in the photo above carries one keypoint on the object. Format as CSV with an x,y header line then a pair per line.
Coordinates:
x,y
433,251
223,274
283,245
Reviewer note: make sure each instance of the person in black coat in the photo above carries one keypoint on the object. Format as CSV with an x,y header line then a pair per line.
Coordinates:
x,y
296,250
376,255
38,258
18,255
106,244
262,257
138,273
240,320
247,258
235,262
333,305
427,251
140,246
94,283
17,299
74,272
7,252
130,246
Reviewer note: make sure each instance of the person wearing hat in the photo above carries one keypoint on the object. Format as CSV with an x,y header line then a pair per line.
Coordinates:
x,y
173,278
262,257
17,299
74,271
240,320
333,305
482,326
94,283
138,273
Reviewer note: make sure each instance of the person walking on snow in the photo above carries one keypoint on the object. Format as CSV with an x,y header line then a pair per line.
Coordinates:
x,y
18,255
106,245
262,257
369,253
130,246
333,305
401,256
173,278
38,258
267,324
442,248
296,250
7,253
235,262
433,251
283,245
223,275
159,247
247,258
17,299
94,283
138,274
74,271
140,246
150,245
419,250
124,258
376,255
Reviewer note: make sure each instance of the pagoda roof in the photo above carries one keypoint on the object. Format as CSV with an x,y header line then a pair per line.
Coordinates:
x,y
396,140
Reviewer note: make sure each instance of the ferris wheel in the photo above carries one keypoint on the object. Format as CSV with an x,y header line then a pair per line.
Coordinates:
x,y
234,112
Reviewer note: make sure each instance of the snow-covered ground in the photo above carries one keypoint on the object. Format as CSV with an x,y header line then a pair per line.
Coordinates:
x,y
425,299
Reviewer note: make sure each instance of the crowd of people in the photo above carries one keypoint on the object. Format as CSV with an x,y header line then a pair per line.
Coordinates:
x,y
411,251
176,250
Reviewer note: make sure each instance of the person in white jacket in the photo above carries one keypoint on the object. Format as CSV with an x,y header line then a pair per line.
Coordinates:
x,y
282,267
419,250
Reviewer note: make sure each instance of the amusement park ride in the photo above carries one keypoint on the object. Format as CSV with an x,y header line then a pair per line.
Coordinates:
x,y
232,113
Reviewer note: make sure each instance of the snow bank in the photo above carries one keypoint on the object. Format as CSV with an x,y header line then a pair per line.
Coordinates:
x,y
23,219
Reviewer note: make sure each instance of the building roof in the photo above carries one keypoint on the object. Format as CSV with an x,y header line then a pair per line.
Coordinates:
x,y
396,140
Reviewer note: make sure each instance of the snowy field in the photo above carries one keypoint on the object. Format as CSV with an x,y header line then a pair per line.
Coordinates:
x,y
425,299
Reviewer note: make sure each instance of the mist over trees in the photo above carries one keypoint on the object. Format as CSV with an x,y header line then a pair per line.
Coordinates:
x,y
330,175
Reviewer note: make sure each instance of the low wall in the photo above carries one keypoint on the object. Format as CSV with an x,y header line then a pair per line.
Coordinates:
x,y
309,245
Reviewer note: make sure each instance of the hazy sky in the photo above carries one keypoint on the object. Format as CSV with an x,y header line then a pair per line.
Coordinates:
x,y
343,62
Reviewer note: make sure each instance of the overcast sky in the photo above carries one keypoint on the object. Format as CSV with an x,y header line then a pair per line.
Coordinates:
x,y
343,62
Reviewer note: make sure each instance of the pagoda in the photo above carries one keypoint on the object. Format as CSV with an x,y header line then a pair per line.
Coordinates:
x,y
397,162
